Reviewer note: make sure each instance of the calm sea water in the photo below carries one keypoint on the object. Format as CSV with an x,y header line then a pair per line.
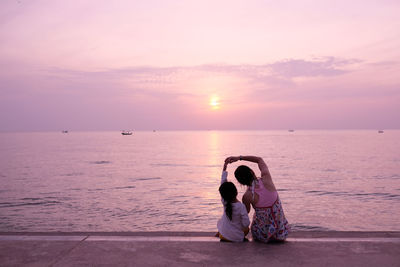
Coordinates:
x,y
152,181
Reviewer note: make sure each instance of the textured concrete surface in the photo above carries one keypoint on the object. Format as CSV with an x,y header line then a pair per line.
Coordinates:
x,y
197,249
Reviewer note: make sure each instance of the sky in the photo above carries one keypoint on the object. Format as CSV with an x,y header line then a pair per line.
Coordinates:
x,y
199,65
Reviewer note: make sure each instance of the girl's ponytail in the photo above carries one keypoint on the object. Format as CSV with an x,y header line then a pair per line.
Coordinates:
x,y
228,210
229,193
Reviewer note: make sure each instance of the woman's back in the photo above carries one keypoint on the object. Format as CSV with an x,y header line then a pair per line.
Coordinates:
x,y
265,197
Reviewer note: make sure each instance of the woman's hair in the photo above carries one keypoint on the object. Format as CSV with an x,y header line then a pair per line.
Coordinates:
x,y
244,175
229,193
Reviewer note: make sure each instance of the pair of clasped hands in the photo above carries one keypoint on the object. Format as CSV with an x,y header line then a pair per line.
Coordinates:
x,y
230,160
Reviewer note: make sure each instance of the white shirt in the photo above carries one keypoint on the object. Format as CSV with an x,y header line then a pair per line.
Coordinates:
x,y
233,229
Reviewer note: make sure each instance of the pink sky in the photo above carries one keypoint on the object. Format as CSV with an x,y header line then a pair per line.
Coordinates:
x,y
143,65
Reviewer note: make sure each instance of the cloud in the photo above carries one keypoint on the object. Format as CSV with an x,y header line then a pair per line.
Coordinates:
x,y
248,82
293,68
388,63
276,71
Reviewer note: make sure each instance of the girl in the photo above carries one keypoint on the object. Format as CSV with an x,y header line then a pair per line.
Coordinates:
x,y
234,223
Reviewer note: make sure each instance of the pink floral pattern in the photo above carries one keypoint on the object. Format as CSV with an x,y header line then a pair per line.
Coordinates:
x,y
269,223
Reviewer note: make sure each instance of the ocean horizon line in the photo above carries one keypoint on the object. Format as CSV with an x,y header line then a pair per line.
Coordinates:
x,y
200,130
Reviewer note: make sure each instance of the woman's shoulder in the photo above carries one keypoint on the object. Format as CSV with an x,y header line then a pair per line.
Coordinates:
x,y
247,197
248,194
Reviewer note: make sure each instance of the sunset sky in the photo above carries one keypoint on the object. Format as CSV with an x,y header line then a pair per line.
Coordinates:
x,y
194,65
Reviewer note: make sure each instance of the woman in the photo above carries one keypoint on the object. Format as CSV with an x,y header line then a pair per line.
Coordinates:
x,y
269,222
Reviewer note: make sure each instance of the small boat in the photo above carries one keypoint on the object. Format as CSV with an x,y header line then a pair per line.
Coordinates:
x,y
64,131
126,132
291,131
380,131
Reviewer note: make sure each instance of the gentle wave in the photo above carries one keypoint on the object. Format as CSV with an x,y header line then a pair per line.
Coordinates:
x,y
146,178
329,170
106,189
73,174
44,203
383,177
210,166
283,190
125,187
302,227
100,162
31,198
169,164
339,193
96,189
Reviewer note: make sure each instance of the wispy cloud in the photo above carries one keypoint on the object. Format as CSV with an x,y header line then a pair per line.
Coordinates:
x,y
286,69
329,66
170,83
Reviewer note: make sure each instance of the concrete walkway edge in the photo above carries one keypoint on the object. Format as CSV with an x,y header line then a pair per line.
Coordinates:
x,y
196,249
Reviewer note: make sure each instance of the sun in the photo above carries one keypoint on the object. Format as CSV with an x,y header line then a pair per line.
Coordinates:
x,y
214,102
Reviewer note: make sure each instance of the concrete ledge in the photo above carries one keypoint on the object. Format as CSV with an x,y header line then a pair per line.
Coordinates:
x,y
377,237
196,249
296,234
150,233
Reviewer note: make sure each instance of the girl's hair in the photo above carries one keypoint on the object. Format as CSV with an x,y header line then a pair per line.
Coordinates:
x,y
229,193
244,175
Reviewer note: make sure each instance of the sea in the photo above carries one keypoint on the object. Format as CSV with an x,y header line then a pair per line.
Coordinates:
x,y
336,180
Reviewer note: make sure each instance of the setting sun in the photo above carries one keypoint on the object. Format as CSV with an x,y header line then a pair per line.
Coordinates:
x,y
214,102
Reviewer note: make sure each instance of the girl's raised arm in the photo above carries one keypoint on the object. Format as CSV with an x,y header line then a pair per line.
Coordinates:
x,y
224,175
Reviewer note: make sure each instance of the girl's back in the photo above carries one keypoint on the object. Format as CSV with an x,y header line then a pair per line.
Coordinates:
x,y
233,229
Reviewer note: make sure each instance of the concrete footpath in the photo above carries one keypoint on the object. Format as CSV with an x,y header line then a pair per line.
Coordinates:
x,y
197,249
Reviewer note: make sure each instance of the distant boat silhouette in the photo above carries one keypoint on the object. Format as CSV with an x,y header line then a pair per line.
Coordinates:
x,y
126,132
380,131
291,130
64,131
